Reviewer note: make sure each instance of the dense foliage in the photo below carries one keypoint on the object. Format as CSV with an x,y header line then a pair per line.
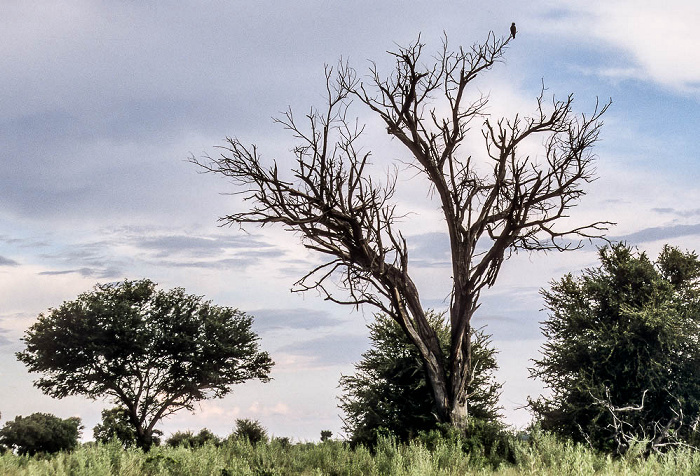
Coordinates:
x,y
153,352
116,426
540,455
389,393
190,440
40,433
250,430
622,355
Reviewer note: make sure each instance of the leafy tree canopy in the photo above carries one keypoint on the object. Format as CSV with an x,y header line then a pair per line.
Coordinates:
x,y
390,391
41,433
622,355
116,425
153,352
251,430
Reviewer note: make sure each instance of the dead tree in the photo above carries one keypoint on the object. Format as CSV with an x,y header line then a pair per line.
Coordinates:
x,y
655,436
502,200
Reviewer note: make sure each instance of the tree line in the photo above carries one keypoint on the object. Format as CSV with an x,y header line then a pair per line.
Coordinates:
x,y
621,351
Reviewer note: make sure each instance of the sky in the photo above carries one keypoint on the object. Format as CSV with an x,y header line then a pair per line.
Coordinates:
x,y
103,102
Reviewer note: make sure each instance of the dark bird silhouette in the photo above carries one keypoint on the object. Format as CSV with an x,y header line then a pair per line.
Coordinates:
x,y
512,30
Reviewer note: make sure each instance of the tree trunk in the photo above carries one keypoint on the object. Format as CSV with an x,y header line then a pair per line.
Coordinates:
x,y
440,393
459,414
452,407
144,439
144,436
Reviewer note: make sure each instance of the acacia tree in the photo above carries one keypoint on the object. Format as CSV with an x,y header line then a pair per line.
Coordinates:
x,y
152,352
503,200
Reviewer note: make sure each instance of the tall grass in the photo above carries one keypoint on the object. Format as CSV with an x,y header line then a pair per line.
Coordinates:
x,y
542,455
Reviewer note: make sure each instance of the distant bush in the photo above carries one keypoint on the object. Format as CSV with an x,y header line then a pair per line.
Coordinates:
x,y
491,443
189,440
115,426
283,442
250,430
41,433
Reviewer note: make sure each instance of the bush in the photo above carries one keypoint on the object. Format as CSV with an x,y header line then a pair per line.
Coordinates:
x,y
41,433
189,440
250,430
391,392
489,443
622,357
115,426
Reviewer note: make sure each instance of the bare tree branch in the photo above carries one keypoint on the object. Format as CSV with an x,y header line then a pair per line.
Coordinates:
x,y
344,214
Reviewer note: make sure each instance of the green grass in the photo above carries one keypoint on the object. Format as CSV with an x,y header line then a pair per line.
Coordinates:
x,y
542,455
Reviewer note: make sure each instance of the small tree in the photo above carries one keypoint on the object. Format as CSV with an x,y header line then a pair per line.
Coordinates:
x,y
495,202
390,389
622,355
251,430
115,426
152,352
41,433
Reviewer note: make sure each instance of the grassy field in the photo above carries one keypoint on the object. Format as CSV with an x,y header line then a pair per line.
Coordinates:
x,y
542,455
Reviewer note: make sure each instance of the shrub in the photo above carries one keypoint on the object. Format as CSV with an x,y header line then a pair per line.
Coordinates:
x,y
41,433
390,389
115,426
485,441
622,357
251,430
190,440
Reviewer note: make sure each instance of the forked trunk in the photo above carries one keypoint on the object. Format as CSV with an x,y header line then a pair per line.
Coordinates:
x,y
451,408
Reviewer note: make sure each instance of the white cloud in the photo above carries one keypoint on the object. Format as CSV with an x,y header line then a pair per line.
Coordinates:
x,y
256,409
660,38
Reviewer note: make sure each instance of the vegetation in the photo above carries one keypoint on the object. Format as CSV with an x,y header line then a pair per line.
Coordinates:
x,y
190,440
390,393
153,352
622,355
495,200
250,430
541,455
40,433
116,426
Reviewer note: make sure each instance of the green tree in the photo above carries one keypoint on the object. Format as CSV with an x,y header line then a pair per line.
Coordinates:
x,y
115,425
390,389
153,352
496,200
622,356
190,440
41,433
251,430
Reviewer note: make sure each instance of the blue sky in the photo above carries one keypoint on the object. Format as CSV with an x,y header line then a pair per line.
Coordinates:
x,y
102,102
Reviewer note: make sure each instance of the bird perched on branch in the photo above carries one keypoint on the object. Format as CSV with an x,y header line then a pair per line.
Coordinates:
x,y
512,30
